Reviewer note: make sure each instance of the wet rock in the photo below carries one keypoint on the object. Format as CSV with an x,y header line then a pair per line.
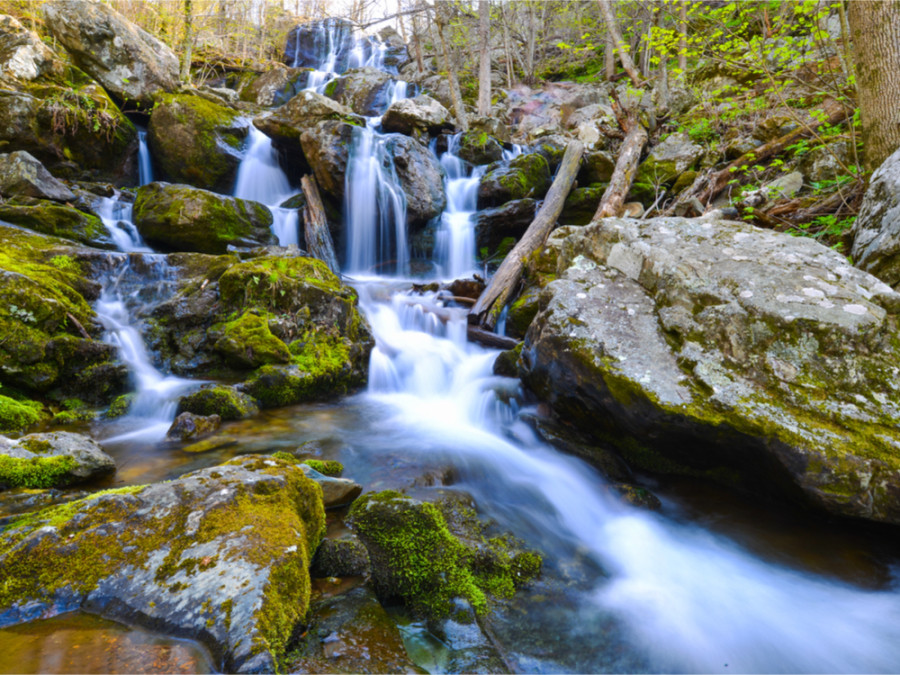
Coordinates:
x,y
470,651
421,179
188,425
56,220
22,54
236,578
698,336
477,147
596,167
876,233
364,90
669,159
351,633
525,176
636,496
335,491
50,460
493,225
286,124
196,142
184,218
326,147
419,116
224,402
275,87
131,64
344,557
396,55
581,205
307,45
23,175
23,500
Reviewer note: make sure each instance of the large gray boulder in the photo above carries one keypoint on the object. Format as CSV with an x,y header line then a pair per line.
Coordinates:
x,y
184,218
714,348
51,460
876,233
363,90
286,124
130,63
417,116
22,54
275,87
23,175
220,555
421,179
326,147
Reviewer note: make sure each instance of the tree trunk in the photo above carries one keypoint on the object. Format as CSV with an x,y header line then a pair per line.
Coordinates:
x,y
876,47
613,201
609,54
682,40
503,284
613,28
506,49
315,225
530,45
455,96
417,42
484,57
187,42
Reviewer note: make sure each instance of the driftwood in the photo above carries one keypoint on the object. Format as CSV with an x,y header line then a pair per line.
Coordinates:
x,y
709,190
488,339
613,201
503,284
315,225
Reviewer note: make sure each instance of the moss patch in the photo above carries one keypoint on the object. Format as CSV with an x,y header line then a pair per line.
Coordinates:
x,y
18,415
36,472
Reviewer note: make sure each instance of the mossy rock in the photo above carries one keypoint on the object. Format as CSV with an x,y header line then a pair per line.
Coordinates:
x,y
56,220
581,205
327,467
196,141
18,415
184,218
415,556
247,342
51,460
525,176
477,147
170,555
522,312
226,402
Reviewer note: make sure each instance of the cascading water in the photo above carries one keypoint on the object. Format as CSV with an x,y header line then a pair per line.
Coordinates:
x,y
455,251
261,179
145,166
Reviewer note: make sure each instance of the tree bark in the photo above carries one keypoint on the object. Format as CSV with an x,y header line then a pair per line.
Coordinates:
x,y
613,201
682,39
315,226
876,47
187,42
484,57
613,27
609,54
459,111
503,284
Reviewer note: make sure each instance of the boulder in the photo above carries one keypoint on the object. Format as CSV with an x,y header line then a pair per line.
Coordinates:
x,y
581,205
51,460
876,233
395,53
22,54
537,112
421,179
308,44
326,147
827,162
224,402
75,131
304,111
235,576
131,64
56,220
335,491
275,87
477,147
511,219
196,142
417,116
524,176
184,218
23,175
717,349
344,557
596,167
669,159
364,90
190,426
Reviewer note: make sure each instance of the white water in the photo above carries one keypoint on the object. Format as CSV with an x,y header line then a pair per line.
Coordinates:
x,y
145,166
691,601
260,178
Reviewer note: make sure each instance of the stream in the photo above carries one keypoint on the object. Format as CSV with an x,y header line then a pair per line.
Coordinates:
x,y
713,582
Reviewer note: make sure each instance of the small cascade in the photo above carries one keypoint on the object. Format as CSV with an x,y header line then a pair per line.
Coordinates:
x,y
455,251
125,291
145,167
116,217
261,179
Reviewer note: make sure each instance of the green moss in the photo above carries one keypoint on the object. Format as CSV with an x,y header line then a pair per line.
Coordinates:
x,y
18,415
416,557
247,342
285,457
120,406
327,467
36,472
58,221
222,401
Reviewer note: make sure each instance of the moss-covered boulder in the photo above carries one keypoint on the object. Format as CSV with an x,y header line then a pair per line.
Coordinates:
x,y
596,167
524,176
58,221
493,225
17,414
668,160
184,218
478,148
23,175
417,558
73,129
364,90
717,349
226,402
581,205
45,305
284,323
51,460
220,555
196,141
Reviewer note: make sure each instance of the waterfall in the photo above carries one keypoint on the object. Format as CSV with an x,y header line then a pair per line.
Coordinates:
x,y
455,251
145,167
261,179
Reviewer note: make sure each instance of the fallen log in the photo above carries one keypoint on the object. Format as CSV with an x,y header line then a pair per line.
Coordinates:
x,y
612,204
503,284
315,226
488,339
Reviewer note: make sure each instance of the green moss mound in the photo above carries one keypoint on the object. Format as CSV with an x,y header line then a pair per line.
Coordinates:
x,y
58,221
222,401
18,415
327,467
36,472
247,342
417,558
